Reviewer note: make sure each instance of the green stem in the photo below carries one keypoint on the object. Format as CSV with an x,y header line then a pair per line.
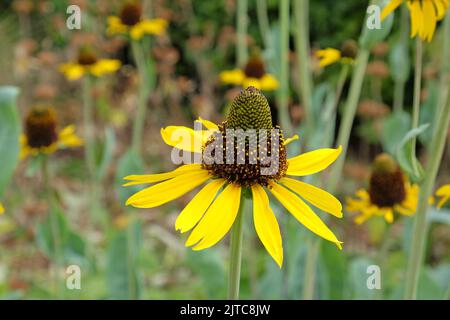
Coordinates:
x,y
88,127
310,269
384,250
348,117
416,252
263,20
236,253
416,100
144,87
283,92
301,9
241,37
399,85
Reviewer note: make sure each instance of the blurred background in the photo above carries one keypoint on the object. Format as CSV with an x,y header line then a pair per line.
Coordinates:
x,y
138,255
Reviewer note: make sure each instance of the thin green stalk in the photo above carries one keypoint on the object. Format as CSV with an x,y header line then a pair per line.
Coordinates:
x,y
130,258
263,20
236,253
399,85
382,254
348,116
241,29
416,253
88,127
145,86
416,100
301,10
343,74
283,92
310,269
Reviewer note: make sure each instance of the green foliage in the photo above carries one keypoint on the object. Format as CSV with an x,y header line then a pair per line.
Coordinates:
x,y
370,37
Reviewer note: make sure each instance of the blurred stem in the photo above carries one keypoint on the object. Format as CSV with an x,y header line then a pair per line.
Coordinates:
x,y
130,258
53,225
416,252
145,86
88,126
340,84
416,100
310,269
399,86
382,255
241,21
236,252
301,10
348,116
263,20
283,92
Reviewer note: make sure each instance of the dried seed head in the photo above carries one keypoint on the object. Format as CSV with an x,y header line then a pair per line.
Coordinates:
x,y
250,110
387,182
131,13
349,49
40,127
86,56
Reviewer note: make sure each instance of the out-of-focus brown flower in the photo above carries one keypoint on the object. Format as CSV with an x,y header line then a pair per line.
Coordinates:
x,y
380,49
377,69
358,171
226,36
22,6
371,109
349,49
44,91
44,6
198,43
47,58
297,113
185,85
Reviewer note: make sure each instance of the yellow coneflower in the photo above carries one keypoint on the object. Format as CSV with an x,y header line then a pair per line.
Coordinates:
x,y
389,192
330,55
41,134
131,22
88,63
424,15
252,75
213,210
444,193
2,209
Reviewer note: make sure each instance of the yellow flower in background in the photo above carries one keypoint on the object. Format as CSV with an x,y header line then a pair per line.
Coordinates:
x,y
330,55
2,209
41,134
389,192
131,22
444,193
213,210
424,15
252,75
89,64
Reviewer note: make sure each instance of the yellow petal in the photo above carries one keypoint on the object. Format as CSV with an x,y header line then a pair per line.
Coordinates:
x,y
217,220
328,56
2,209
443,192
316,196
151,178
441,8
168,190
251,82
269,82
312,162
104,66
416,18
72,71
391,6
183,138
289,140
151,26
115,26
68,138
303,213
388,215
208,124
233,77
24,148
195,209
266,224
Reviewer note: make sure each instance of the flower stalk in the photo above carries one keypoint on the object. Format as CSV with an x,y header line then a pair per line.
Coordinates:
x,y
399,85
416,101
241,28
236,252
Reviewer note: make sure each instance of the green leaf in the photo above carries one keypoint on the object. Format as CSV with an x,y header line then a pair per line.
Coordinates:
x,y
106,156
334,265
370,37
122,276
405,157
357,279
395,127
399,61
9,134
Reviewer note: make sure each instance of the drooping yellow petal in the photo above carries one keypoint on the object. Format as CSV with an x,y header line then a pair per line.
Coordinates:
x,y
183,138
208,124
152,178
429,20
266,224
24,148
105,66
328,56
416,18
233,77
72,71
312,162
217,220
289,140
388,215
168,190
441,8
269,82
316,196
444,193
303,213
391,6
115,26
195,209
68,138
